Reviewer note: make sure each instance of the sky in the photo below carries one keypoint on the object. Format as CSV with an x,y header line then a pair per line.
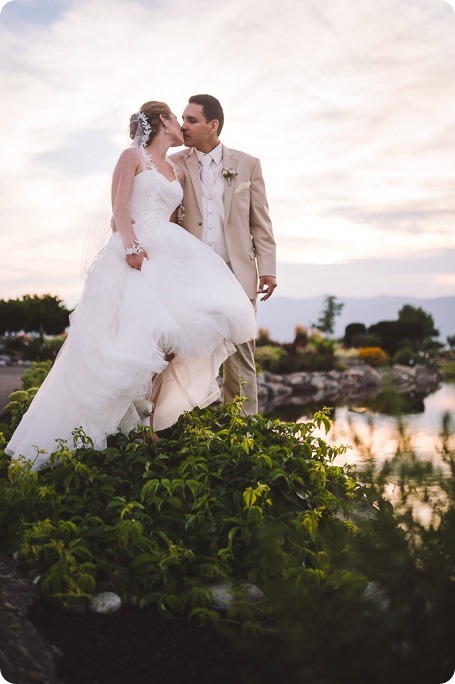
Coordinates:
x,y
349,104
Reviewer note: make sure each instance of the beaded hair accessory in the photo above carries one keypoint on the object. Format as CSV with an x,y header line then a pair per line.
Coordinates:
x,y
143,129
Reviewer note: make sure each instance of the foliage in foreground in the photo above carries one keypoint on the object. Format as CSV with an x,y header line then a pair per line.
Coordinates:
x,y
218,498
355,589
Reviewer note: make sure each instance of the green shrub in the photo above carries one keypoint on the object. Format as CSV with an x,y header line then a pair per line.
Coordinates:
x,y
405,356
448,369
366,340
34,347
220,496
217,497
18,404
311,359
35,375
272,359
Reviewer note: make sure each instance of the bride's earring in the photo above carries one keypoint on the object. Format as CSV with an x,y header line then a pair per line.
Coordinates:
x,y
167,130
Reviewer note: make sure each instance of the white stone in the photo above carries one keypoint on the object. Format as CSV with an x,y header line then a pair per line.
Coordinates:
x,y
222,596
253,593
106,603
375,593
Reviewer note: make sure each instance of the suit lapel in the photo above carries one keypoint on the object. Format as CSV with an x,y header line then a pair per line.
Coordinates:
x,y
229,162
193,171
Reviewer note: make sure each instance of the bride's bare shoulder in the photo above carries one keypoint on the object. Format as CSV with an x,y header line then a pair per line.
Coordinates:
x,y
129,155
129,158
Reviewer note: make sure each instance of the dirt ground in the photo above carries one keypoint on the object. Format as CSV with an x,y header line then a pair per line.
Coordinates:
x,y
138,646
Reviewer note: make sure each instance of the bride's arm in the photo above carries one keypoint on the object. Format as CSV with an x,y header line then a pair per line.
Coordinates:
x,y
179,176
122,182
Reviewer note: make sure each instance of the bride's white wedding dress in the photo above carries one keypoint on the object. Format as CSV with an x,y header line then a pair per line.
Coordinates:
x,y
184,301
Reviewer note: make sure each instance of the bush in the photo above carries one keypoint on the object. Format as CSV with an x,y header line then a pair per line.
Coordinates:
x,y
373,356
405,356
34,347
35,375
263,338
351,331
349,580
301,337
270,358
20,400
311,360
366,340
18,404
219,497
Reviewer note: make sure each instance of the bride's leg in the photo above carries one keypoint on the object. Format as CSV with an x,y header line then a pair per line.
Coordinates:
x,y
156,389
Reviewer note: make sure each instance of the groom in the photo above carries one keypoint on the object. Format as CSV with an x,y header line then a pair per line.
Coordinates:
x,y
225,205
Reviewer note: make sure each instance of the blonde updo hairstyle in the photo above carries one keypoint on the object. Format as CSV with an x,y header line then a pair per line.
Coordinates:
x,y
152,111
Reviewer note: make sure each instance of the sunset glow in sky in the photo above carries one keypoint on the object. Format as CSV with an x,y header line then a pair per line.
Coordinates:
x,y
349,104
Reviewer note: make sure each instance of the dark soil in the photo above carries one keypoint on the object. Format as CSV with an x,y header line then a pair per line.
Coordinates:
x,y
139,646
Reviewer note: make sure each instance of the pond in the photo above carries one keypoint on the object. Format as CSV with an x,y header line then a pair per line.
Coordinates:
x,y
380,426
414,433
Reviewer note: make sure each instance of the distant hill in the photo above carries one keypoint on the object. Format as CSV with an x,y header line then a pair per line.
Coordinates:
x,y
280,315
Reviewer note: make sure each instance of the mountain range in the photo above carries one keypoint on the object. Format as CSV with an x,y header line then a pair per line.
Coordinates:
x,y
280,315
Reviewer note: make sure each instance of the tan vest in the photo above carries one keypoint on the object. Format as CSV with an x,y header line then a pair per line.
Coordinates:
x,y
247,225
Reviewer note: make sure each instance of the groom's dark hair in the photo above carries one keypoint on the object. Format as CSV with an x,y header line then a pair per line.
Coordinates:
x,y
211,108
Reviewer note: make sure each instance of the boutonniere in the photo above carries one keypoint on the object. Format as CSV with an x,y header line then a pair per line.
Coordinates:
x,y
229,174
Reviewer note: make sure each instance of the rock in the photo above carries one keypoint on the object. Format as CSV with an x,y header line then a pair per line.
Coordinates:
x,y
374,592
362,381
253,593
25,658
106,603
222,596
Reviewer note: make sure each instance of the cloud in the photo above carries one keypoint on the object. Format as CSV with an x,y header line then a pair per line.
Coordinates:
x,y
21,12
417,276
349,105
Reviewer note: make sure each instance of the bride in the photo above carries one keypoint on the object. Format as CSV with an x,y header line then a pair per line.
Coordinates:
x,y
159,314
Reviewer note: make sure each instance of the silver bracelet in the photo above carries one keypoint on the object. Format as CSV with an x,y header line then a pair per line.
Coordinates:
x,y
135,248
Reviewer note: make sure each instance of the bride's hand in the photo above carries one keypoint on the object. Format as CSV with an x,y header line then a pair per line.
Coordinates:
x,y
135,260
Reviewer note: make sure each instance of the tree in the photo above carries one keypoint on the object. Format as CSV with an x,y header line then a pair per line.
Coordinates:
x,y
351,331
12,316
451,341
332,309
44,314
412,314
395,335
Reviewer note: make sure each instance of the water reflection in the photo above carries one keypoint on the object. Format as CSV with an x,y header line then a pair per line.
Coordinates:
x,y
404,450
389,423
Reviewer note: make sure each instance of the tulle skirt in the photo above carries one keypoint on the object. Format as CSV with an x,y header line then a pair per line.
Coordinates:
x,y
183,302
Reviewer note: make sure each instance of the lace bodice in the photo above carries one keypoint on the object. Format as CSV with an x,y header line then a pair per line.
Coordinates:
x,y
153,196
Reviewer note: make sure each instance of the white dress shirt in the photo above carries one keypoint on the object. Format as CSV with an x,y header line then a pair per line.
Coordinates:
x,y
213,205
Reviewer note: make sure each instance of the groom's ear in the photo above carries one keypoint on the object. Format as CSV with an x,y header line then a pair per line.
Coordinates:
x,y
215,124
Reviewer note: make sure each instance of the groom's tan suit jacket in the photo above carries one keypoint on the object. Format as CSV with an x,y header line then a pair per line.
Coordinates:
x,y
247,225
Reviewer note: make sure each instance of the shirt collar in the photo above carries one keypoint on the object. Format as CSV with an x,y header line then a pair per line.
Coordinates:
x,y
216,153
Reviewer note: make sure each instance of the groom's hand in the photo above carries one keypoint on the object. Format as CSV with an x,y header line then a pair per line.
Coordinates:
x,y
267,284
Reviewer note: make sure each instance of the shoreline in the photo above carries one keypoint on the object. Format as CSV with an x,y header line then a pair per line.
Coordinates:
x,y
306,387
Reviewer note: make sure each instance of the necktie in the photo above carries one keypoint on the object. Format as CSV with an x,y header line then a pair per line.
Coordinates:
x,y
207,178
